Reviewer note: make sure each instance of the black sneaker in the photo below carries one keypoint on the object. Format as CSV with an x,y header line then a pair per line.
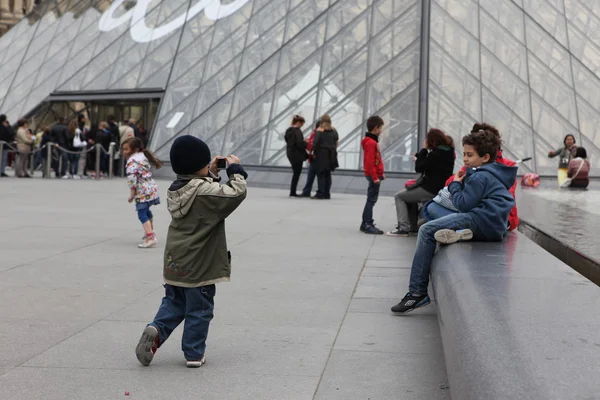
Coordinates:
x,y
372,230
410,302
398,233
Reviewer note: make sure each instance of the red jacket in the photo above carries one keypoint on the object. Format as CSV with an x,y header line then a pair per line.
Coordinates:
x,y
309,145
513,218
372,161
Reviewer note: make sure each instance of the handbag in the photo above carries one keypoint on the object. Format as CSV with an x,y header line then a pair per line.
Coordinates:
x,y
567,182
77,142
416,183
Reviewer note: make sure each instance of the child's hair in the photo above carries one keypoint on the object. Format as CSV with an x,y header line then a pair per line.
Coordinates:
x,y
484,126
581,153
484,142
450,141
297,118
326,122
373,122
566,137
136,145
435,138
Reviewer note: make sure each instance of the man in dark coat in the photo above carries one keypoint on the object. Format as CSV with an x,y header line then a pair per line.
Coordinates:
x,y
58,135
6,135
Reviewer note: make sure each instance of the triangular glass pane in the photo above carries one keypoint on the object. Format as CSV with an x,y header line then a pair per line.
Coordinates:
x,y
251,152
465,12
161,56
100,81
192,58
304,45
194,28
127,80
158,80
549,51
507,14
51,66
385,11
346,111
297,84
217,87
235,25
303,15
346,44
254,86
183,87
262,49
213,119
173,122
351,74
99,65
224,53
552,20
261,23
593,155
342,14
544,164
548,122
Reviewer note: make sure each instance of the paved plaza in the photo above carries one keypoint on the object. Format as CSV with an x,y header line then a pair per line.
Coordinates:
x,y
306,315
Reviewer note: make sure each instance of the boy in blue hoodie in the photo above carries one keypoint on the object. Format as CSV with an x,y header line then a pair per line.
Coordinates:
x,y
484,202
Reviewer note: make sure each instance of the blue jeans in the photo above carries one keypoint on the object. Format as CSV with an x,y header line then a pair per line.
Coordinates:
x,y
310,179
143,210
4,160
73,163
372,196
433,210
426,245
196,307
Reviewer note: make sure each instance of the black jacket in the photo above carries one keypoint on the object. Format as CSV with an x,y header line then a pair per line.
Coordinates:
x,y
296,146
115,135
6,133
436,166
325,149
58,134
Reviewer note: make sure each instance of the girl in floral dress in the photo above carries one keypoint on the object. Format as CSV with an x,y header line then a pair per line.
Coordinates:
x,y
142,187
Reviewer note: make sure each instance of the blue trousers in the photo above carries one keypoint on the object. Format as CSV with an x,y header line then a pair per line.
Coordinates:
x,y
196,307
372,196
426,245
310,179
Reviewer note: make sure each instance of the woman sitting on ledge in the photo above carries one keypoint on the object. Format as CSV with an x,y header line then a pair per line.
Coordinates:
x,y
579,169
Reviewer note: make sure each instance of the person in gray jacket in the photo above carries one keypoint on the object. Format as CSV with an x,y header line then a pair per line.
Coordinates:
x,y
565,154
196,255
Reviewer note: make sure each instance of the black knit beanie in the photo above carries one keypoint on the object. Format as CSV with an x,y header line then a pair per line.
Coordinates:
x,y
189,155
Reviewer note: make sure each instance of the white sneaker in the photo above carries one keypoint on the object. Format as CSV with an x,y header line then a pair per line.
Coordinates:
x,y
196,364
448,236
148,243
65,177
76,177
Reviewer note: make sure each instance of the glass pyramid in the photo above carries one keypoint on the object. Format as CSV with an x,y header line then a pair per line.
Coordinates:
x,y
235,71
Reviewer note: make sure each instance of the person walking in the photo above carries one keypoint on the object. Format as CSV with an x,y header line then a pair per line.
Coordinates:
x,y
435,163
24,143
7,135
325,150
296,150
311,174
566,154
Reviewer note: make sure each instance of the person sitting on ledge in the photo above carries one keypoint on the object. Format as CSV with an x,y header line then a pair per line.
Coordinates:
x,y
579,169
484,202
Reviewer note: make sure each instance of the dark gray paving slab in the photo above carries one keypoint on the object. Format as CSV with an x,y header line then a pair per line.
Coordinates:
x,y
360,375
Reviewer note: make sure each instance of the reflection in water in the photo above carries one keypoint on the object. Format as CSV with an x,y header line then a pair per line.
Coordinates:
x,y
571,216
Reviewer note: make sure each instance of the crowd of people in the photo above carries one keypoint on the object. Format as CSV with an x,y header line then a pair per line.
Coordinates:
x,y
73,155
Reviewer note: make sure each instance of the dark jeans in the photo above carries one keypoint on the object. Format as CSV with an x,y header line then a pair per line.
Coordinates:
x,y
195,306
310,179
297,168
104,163
324,181
426,245
73,163
372,196
4,159
61,160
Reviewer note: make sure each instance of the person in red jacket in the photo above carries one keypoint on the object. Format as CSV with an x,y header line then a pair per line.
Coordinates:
x,y
373,166
312,167
513,218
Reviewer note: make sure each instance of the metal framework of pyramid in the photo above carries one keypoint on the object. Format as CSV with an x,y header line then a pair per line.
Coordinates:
x,y
234,72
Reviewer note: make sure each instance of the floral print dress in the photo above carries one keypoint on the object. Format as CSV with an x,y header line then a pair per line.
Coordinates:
x,y
139,177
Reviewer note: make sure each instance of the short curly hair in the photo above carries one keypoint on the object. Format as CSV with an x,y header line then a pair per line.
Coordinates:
x,y
484,142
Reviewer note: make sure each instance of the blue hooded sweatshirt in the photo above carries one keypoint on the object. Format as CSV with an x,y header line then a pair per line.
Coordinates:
x,y
484,195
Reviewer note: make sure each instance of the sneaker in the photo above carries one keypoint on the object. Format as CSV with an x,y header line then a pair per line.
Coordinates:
x,y
147,345
65,177
76,177
448,236
196,364
410,302
4,176
148,243
397,233
372,230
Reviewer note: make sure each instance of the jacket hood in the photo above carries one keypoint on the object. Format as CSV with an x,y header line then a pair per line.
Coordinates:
x,y
505,174
181,195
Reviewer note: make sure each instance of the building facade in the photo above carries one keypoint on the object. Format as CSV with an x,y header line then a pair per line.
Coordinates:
x,y
235,72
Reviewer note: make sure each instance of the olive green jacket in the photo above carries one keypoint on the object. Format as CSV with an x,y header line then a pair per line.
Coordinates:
x,y
196,250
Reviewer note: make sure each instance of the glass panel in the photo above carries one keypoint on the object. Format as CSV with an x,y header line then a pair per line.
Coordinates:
x,y
261,23
345,44
127,80
297,84
224,53
507,14
587,84
213,119
543,144
548,123
552,20
552,89
303,15
241,129
254,85
593,153
455,81
397,37
158,79
229,27
251,152
217,87
343,13
262,49
549,51
184,87
386,11
463,47
159,57
589,120
584,49
516,134
165,133
301,47
346,112
464,12
102,63
504,46
393,79
505,85
351,75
